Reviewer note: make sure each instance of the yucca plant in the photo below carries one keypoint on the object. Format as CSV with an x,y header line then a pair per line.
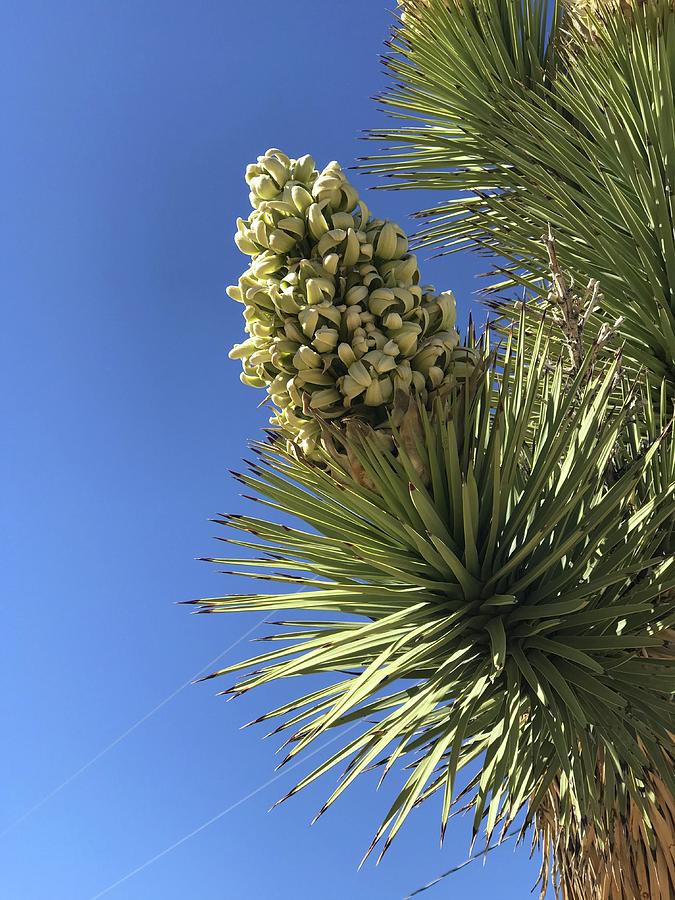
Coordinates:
x,y
485,551
495,610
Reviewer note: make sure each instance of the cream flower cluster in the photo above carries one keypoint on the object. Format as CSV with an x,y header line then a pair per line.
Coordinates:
x,y
336,317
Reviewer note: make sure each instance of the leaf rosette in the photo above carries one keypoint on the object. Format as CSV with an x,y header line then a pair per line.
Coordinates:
x,y
505,614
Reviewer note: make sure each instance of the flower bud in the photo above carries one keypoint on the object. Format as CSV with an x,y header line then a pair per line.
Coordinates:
x,y
325,340
264,187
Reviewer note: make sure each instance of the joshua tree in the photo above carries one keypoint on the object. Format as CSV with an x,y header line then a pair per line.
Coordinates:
x,y
487,547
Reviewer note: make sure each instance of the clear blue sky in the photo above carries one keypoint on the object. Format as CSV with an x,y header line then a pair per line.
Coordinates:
x,y
127,126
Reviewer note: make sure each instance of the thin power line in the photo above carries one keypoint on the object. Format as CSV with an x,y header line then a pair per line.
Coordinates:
x,y
467,862
118,740
220,815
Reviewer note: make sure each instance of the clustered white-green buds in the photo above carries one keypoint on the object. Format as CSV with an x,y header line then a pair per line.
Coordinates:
x,y
337,319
